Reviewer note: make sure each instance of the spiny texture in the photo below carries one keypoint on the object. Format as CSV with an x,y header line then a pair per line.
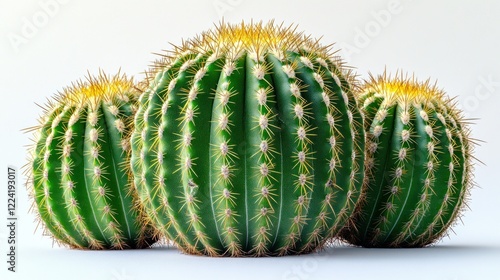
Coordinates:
x,y
418,164
78,171
248,142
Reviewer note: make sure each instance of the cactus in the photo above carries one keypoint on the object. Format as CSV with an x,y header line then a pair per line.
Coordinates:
x,y
248,142
418,164
78,171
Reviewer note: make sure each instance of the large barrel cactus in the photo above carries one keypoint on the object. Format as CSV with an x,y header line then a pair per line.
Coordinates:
x,y
248,142
418,164
79,173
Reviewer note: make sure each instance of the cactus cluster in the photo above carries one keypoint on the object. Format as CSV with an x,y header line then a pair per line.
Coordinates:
x,y
80,181
418,164
248,142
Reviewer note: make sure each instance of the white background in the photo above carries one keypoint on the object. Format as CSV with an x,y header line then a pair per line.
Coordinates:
x,y
455,42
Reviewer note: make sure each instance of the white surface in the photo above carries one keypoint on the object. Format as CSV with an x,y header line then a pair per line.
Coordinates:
x,y
456,42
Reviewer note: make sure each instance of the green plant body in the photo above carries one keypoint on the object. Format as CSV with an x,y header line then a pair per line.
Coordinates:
x,y
248,142
78,173
418,164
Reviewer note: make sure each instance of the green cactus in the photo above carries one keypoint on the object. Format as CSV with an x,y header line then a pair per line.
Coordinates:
x,y
78,172
248,142
418,164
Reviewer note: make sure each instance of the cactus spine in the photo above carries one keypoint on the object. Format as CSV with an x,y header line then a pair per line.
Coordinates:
x,y
418,164
79,173
248,142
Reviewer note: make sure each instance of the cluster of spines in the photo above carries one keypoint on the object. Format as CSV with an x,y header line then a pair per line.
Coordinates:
x,y
147,163
229,202
263,159
337,130
297,133
47,153
79,169
247,188
422,144
193,162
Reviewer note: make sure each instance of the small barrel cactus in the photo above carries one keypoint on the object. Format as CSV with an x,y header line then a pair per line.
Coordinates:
x,y
79,173
248,142
418,164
